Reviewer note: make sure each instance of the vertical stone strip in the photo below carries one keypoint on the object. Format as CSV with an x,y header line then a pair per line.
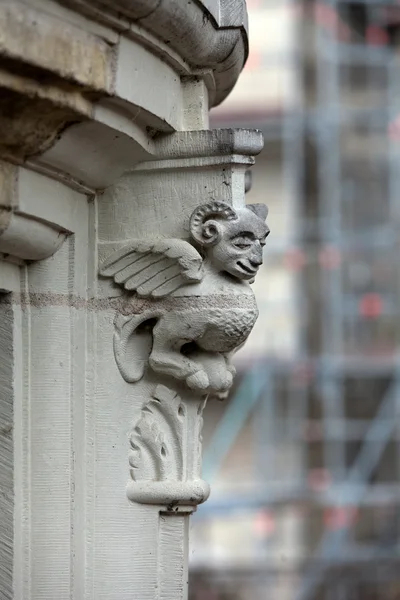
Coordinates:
x,y
52,474
89,407
79,281
6,451
22,463
173,556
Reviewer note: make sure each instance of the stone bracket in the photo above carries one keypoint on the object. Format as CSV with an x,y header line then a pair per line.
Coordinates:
x,y
185,303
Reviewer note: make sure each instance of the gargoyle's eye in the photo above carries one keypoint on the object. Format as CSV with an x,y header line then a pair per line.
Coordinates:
x,y
242,242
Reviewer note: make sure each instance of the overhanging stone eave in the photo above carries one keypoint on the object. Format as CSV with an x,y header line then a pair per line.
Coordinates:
x,y
206,34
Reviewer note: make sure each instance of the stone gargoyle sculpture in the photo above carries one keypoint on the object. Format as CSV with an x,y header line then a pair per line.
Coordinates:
x,y
200,307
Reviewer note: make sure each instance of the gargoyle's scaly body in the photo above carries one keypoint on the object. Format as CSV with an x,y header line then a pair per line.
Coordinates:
x,y
224,319
228,330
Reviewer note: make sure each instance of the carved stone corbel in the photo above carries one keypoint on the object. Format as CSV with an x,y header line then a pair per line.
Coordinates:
x,y
186,307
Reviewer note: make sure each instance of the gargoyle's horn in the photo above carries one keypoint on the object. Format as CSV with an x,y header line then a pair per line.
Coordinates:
x,y
204,213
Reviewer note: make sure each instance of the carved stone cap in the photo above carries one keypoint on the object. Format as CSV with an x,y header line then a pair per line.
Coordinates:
x,y
215,142
206,33
171,493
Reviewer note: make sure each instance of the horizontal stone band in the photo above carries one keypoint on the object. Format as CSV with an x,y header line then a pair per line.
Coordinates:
x,y
132,305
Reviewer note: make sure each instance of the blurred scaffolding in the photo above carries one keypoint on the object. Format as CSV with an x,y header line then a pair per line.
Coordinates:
x,y
304,458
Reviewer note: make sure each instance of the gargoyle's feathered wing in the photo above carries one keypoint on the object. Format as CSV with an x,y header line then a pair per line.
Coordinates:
x,y
154,268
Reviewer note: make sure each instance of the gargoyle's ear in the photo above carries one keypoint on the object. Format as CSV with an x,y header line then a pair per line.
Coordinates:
x,y
204,227
261,210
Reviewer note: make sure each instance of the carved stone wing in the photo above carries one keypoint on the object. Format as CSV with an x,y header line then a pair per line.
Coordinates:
x,y
154,268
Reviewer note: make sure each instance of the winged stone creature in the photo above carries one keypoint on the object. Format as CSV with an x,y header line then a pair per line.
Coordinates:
x,y
200,308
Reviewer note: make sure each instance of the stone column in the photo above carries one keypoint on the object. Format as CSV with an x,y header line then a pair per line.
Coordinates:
x,y
127,254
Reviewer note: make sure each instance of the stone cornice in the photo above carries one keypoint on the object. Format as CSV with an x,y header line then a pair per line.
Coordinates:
x,y
208,34
65,63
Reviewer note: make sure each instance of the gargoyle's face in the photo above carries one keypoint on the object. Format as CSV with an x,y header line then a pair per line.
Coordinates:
x,y
239,251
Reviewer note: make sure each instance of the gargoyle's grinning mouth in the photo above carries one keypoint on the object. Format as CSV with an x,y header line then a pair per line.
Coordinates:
x,y
245,268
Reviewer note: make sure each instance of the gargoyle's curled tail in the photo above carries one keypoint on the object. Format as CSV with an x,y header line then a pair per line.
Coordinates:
x,y
132,343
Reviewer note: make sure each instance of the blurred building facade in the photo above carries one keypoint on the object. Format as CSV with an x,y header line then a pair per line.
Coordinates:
x,y
305,456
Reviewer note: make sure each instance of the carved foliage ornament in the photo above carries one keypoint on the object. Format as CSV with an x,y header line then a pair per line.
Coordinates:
x,y
192,342
165,457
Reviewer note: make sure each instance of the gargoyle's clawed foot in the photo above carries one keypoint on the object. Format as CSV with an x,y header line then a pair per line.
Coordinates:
x,y
198,381
223,392
201,381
